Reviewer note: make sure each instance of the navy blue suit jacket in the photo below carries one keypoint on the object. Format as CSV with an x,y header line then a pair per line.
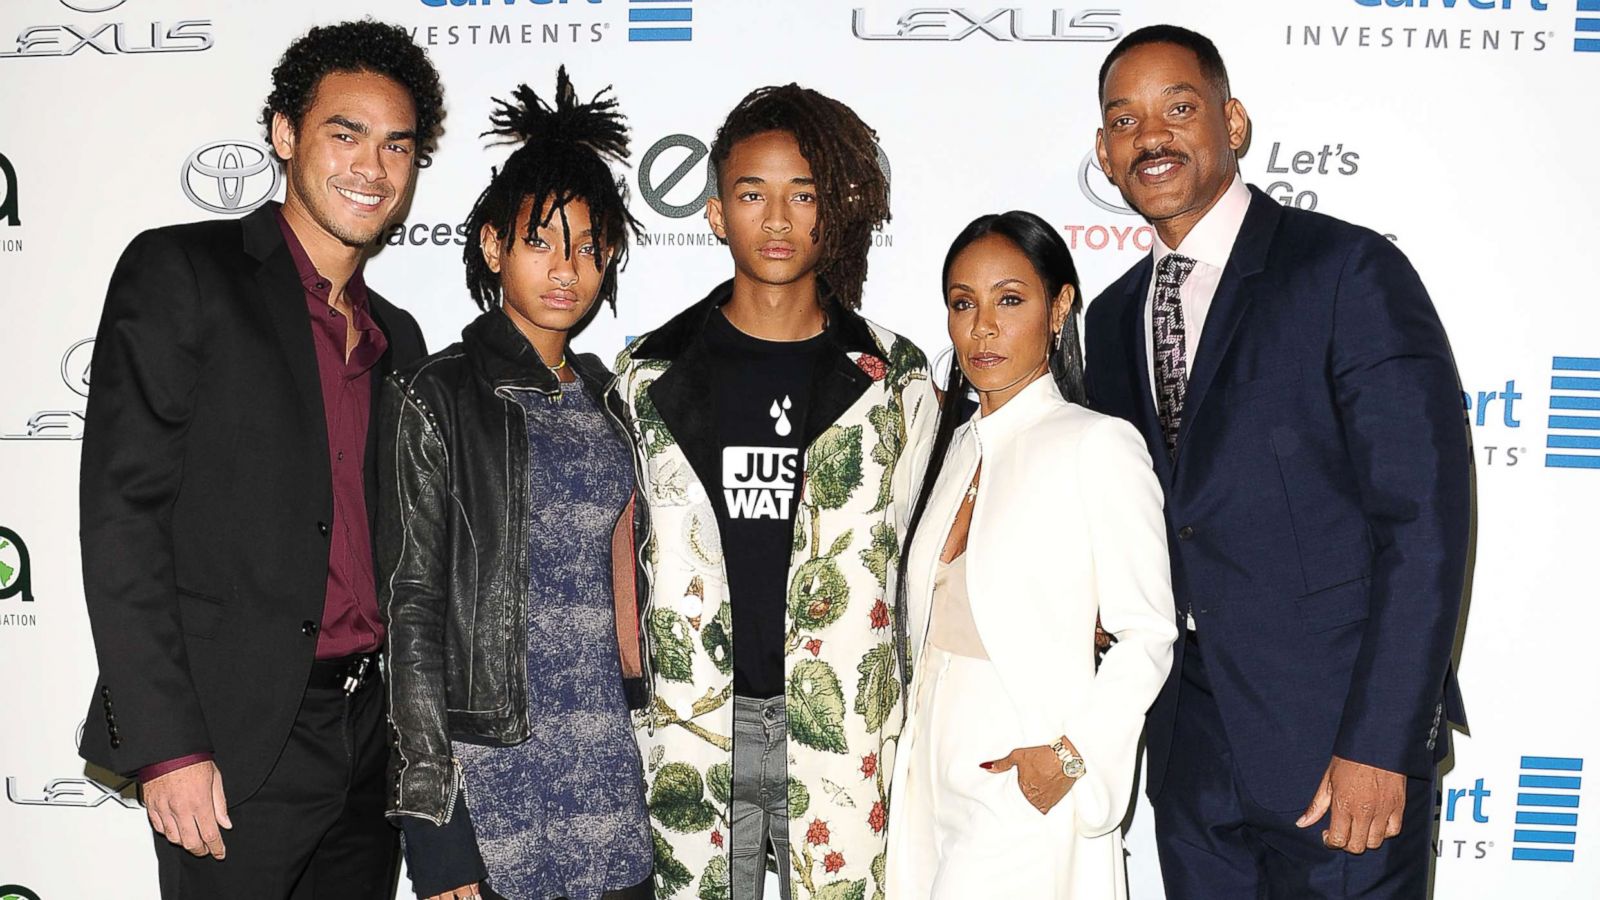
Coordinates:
x,y
1318,504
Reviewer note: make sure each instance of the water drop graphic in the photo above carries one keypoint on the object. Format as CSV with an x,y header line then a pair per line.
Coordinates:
x,y
783,425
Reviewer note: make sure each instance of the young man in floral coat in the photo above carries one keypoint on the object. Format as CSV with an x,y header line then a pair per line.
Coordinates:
x,y
775,430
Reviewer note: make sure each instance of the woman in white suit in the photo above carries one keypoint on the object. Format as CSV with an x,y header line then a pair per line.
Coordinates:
x,y
1035,517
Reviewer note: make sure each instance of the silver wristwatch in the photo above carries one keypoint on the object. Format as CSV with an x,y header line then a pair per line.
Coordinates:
x,y
1072,764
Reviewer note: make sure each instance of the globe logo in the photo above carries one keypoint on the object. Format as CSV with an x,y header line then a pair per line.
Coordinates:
x,y
230,177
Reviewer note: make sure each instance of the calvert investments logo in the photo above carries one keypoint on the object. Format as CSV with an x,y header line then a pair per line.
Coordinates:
x,y
1547,809
230,178
660,20
1005,24
1573,441
510,23
99,37
1477,26
62,424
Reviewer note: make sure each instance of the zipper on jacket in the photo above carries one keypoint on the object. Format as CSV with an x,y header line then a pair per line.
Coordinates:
x,y
519,652
641,507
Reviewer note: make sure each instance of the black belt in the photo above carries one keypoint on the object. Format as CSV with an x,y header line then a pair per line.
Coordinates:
x,y
347,673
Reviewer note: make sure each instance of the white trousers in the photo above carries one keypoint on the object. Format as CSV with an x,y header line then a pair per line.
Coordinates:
x,y
958,831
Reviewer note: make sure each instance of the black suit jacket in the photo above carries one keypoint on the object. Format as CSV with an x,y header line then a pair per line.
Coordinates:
x,y
1318,505
204,497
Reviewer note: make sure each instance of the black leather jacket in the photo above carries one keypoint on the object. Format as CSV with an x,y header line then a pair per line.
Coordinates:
x,y
452,552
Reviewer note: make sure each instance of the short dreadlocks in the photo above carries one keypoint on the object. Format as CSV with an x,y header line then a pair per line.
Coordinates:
x,y
364,46
852,191
562,158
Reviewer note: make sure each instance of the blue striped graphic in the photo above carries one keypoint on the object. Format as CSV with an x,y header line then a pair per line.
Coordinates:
x,y
1555,780
1586,45
1539,818
1588,5
1574,390
1566,782
1589,24
1542,855
655,20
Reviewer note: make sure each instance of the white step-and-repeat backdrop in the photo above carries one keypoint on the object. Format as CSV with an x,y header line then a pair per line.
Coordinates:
x,y
1460,128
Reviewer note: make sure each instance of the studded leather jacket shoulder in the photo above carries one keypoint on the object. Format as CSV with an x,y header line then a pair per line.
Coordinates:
x,y
452,551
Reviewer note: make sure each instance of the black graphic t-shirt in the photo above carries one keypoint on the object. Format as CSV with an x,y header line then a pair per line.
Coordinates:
x,y
759,393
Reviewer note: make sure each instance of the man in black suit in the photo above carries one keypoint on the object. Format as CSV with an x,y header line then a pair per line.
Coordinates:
x,y
227,489
1299,399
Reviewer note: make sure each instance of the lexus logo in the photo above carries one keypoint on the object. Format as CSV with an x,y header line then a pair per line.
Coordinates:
x,y
1100,191
230,177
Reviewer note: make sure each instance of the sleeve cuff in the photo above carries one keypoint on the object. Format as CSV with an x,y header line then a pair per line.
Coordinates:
x,y
442,857
156,770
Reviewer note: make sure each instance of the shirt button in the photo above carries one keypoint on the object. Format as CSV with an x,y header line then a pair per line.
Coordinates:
x,y
308,628
341,456
322,528
1185,533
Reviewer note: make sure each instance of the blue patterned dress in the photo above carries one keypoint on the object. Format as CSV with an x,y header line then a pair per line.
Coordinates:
x,y
563,814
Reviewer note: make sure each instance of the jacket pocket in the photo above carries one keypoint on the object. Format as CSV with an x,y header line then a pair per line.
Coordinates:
x,y
199,613
1334,606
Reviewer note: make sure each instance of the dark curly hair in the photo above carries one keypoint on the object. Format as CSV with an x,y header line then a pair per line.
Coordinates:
x,y
852,190
364,46
562,158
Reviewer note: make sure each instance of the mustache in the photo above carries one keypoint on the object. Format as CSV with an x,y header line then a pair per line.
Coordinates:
x,y
1162,155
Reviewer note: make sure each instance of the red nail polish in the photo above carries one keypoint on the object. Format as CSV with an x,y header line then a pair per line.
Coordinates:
x,y
986,765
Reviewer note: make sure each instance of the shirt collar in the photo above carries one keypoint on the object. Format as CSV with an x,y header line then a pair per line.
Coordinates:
x,y
1211,239
355,291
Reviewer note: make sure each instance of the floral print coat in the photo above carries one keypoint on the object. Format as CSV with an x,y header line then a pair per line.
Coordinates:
x,y
870,403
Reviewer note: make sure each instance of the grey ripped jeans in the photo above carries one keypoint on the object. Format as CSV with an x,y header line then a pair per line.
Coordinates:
x,y
760,795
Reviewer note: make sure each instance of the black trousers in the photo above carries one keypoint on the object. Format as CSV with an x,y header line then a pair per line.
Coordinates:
x,y
316,829
1216,843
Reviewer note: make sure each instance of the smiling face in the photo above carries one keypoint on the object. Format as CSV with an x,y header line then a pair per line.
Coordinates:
x,y
544,288
352,157
1168,139
1001,317
766,209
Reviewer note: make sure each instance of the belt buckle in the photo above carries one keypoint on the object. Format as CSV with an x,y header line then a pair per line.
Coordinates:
x,y
356,676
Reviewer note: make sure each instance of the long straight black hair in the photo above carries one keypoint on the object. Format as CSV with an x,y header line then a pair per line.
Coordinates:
x,y
1044,247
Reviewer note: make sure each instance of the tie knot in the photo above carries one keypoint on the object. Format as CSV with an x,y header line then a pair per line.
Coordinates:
x,y
1173,269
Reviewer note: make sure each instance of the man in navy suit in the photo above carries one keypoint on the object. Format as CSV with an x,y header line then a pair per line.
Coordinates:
x,y
1301,404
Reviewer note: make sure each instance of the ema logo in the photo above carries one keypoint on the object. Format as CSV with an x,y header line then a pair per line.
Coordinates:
x,y
16,892
1574,413
8,209
660,20
1547,809
1587,38
15,573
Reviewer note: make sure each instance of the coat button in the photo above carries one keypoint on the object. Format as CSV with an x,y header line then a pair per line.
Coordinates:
x,y
322,528
115,742
1185,533
308,628
105,692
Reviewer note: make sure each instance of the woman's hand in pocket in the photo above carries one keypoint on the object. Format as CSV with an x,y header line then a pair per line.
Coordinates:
x,y
465,892
1039,775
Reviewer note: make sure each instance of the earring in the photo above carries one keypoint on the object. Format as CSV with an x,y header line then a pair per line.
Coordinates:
x,y
1055,340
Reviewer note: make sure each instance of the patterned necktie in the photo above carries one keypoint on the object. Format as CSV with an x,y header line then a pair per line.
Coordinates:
x,y
1166,320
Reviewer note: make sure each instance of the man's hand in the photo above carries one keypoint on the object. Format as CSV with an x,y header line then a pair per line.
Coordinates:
x,y
465,892
187,806
1367,805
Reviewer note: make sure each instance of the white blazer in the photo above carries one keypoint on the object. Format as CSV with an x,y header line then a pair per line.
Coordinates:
x,y
1067,524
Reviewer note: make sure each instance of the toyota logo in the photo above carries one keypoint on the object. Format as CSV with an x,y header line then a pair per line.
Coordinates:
x,y
75,366
230,177
1100,191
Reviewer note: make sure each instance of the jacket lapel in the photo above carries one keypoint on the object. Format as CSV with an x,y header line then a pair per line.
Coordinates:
x,y
279,292
836,381
1233,298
